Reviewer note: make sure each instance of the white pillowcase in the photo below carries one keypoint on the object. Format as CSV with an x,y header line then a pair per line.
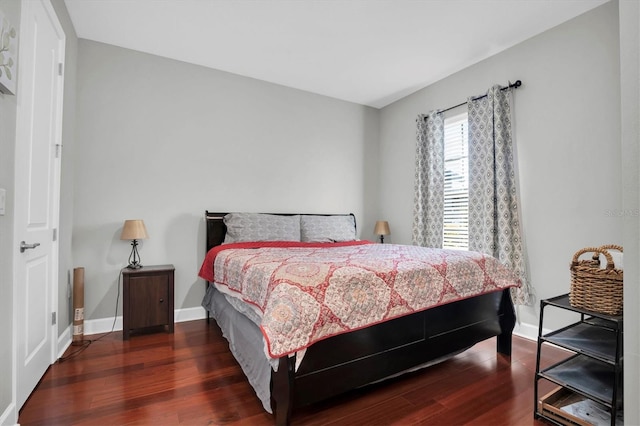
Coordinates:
x,y
244,227
327,229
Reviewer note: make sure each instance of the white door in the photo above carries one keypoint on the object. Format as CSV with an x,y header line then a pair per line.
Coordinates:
x,y
37,186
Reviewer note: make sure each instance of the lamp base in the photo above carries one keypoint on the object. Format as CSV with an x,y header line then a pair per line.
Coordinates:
x,y
134,257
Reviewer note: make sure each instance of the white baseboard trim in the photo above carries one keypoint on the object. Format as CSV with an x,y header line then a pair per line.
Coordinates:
x,y
530,332
105,325
10,415
102,325
64,341
190,314
527,331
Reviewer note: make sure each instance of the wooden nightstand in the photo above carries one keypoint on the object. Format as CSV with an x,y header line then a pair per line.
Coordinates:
x,y
147,298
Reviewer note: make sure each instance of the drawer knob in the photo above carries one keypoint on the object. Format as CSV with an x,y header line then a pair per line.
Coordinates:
x,y
161,300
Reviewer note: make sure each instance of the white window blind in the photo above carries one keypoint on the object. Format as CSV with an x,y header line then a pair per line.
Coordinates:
x,y
456,183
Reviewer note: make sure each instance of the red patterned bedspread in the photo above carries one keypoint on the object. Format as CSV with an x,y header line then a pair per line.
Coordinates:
x,y
309,292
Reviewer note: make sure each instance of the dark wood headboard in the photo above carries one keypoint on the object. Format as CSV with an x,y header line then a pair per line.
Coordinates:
x,y
216,229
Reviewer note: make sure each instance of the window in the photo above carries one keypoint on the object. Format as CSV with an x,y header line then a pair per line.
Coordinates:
x,y
456,183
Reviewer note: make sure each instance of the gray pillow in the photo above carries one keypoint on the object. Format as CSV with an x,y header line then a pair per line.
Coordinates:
x,y
244,227
327,229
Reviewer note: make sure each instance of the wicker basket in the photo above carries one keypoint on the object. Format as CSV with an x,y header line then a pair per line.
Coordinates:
x,y
594,288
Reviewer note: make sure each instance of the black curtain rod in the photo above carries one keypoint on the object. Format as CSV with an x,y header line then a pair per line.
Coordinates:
x,y
515,85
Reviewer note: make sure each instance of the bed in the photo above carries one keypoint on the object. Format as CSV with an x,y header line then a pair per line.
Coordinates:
x,y
340,361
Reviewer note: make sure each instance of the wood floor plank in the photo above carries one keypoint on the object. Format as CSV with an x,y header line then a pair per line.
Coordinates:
x,y
191,378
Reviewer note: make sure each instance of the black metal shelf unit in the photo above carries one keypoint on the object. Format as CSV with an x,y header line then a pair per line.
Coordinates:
x,y
594,369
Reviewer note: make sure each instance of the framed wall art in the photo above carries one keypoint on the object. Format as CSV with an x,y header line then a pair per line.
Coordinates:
x,y
8,59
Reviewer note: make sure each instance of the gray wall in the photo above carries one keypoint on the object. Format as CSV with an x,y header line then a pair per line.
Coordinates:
x,y
162,140
567,130
11,10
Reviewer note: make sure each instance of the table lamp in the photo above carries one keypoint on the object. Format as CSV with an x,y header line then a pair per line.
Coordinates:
x,y
134,230
382,229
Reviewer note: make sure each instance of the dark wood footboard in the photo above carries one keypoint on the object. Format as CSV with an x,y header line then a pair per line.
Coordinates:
x,y
355,359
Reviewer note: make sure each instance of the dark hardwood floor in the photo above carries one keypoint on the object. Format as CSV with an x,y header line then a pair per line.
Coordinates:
x,y
190,378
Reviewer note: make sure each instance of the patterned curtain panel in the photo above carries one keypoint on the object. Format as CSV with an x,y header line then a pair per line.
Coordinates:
x,y
494,209
428,210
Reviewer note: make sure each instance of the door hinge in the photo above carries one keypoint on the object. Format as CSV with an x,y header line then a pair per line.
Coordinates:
x,y
60,68
53,318
58,149
55,234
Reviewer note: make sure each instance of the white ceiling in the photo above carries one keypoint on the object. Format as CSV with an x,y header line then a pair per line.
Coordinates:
x,y
371,52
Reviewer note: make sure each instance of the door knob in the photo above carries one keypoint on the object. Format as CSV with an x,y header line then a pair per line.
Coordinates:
x,y
24,246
